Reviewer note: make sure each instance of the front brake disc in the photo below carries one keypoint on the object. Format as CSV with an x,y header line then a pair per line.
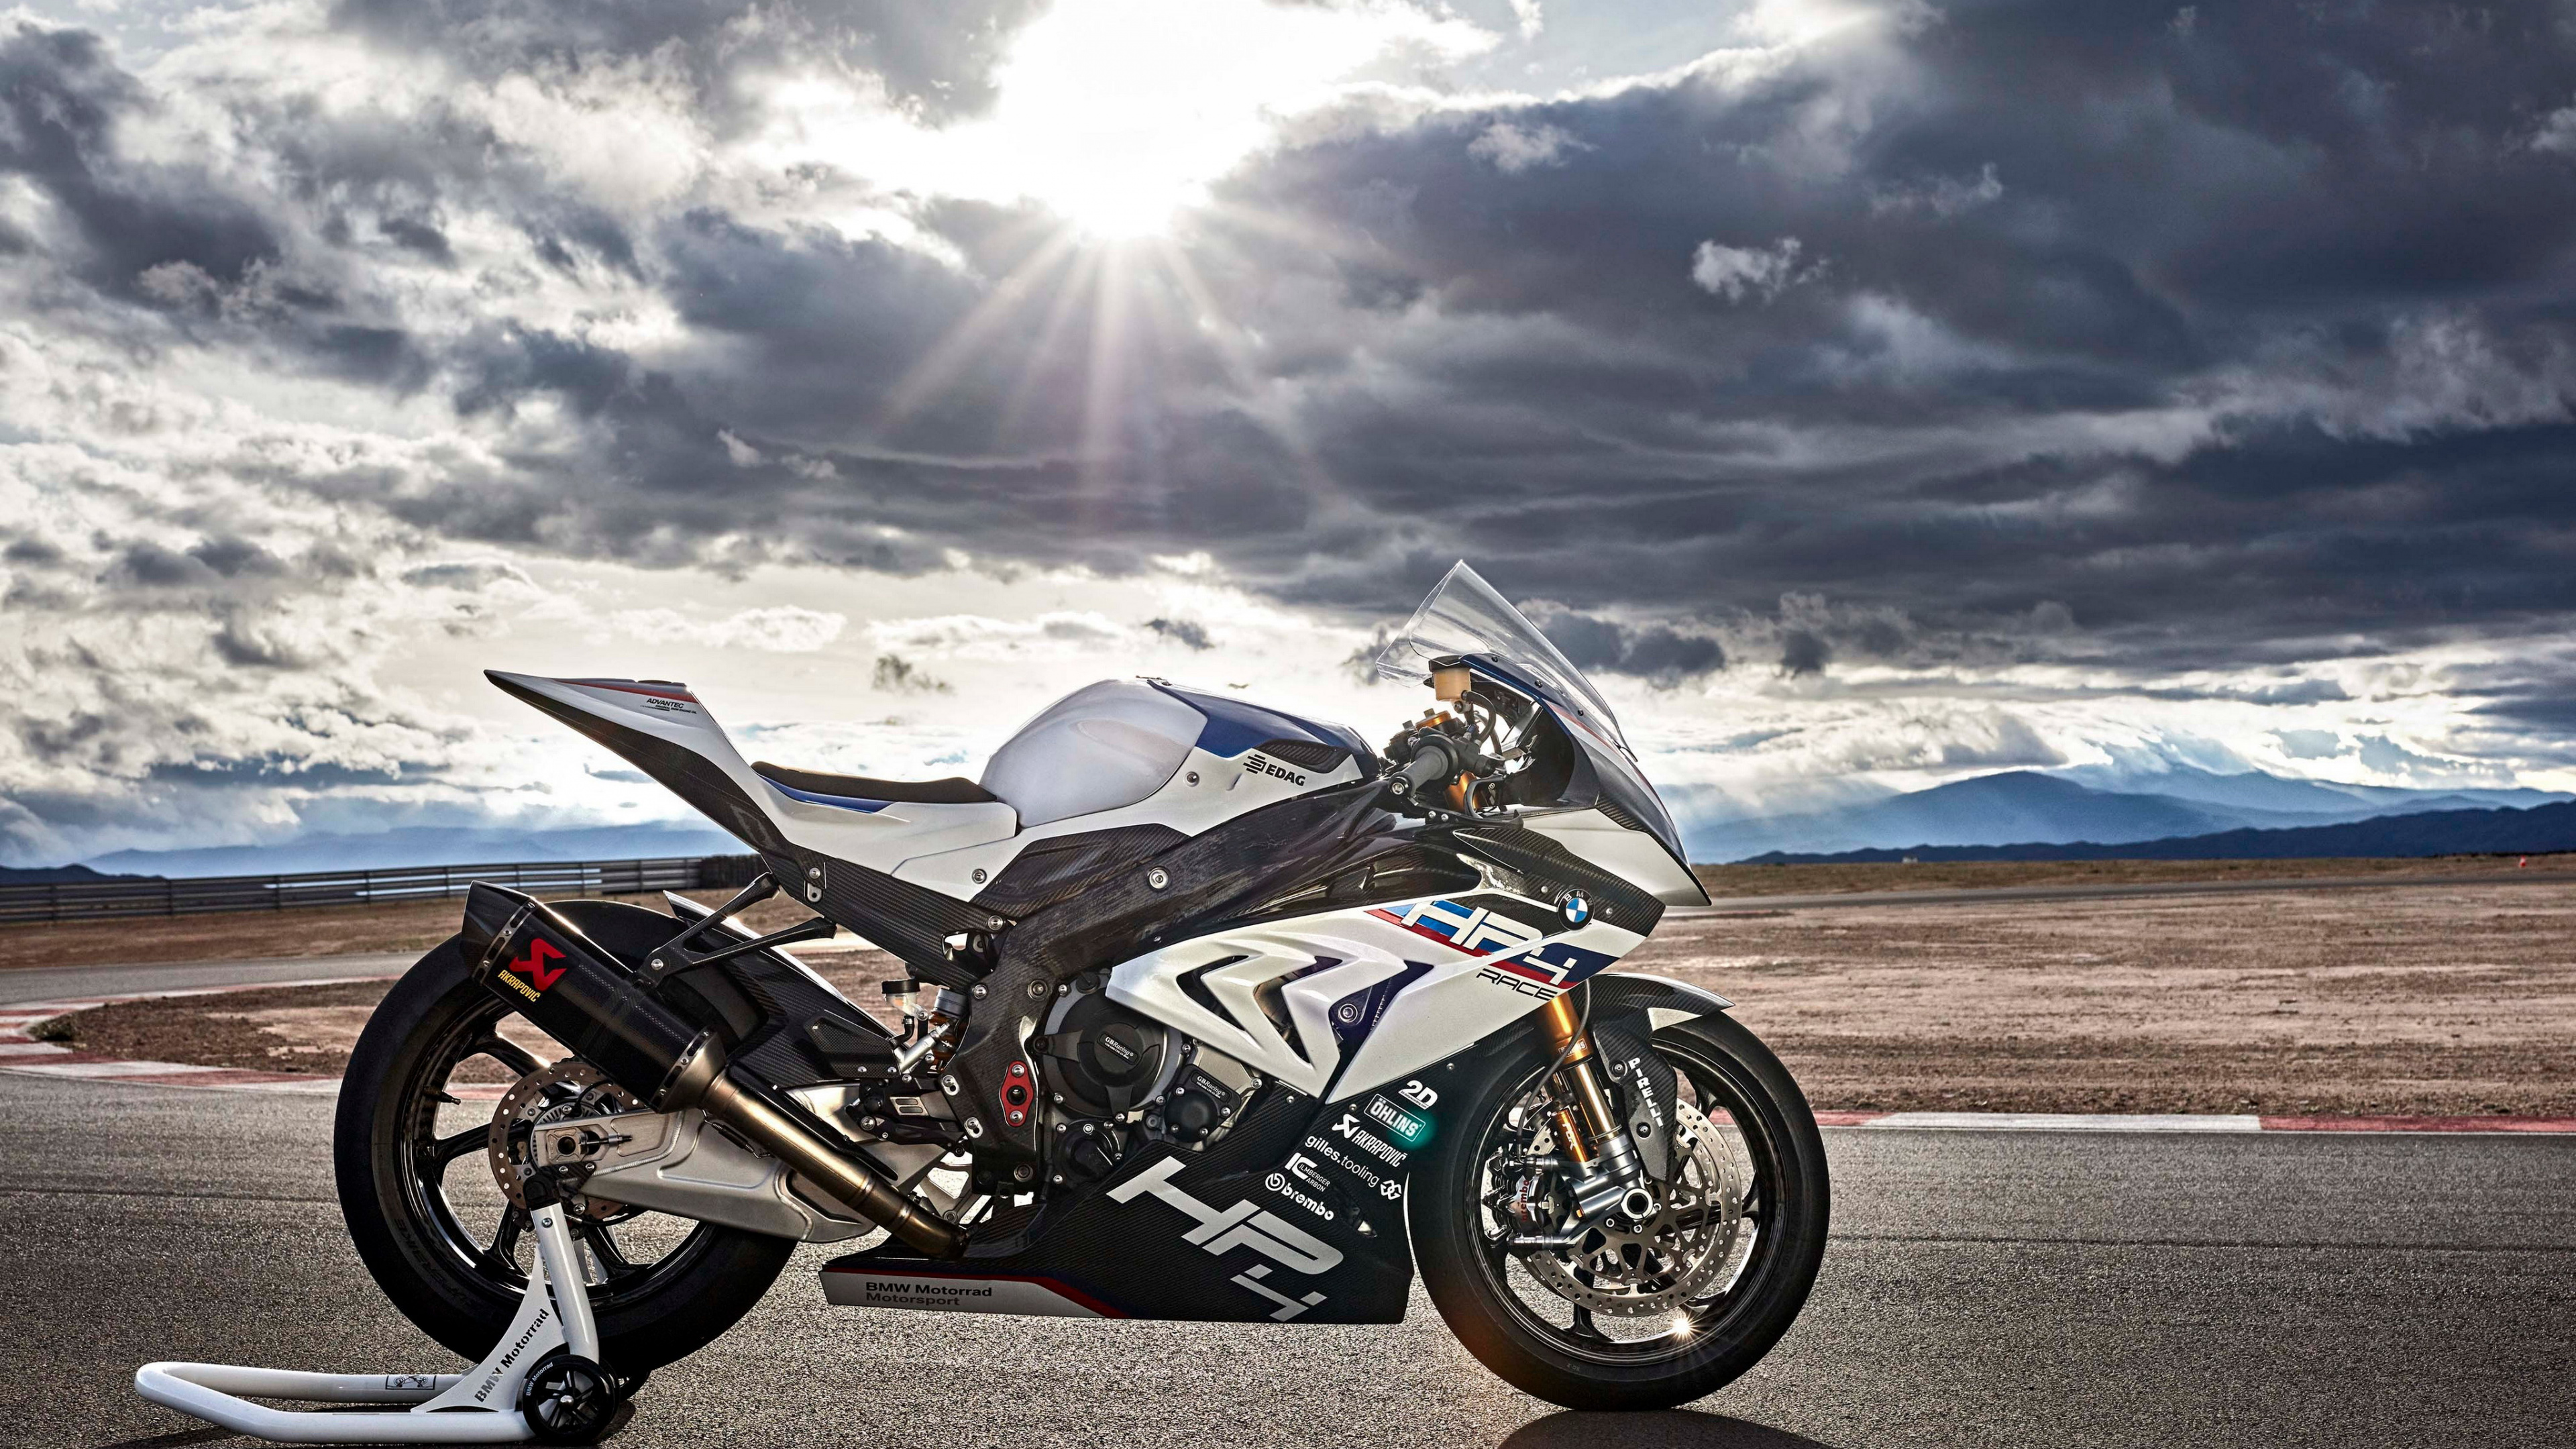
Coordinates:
x,y
1661,1263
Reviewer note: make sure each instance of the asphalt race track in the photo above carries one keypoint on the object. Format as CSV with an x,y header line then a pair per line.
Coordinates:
x,y
1984,1288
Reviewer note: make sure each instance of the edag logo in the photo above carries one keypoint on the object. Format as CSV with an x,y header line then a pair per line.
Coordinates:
x,y
533,966
1258,763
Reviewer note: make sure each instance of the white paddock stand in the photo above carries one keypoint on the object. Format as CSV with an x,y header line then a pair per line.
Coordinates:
x,y
479,1406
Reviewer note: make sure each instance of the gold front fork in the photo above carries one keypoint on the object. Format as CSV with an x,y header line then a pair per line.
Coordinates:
x,y
1581,1074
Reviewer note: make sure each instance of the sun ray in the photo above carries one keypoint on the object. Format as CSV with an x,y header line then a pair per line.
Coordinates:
x,y
940,365
1234,355
1082,280
1101,440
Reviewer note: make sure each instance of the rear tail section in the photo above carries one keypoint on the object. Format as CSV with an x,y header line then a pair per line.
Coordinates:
x,y
662,730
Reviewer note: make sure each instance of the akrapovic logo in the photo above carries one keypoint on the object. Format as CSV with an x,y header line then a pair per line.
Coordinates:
x,y
1243,1225
1258,763
533,967
1369,1142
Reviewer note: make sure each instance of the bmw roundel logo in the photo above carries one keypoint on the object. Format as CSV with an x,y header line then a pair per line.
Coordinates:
x,y
1577,909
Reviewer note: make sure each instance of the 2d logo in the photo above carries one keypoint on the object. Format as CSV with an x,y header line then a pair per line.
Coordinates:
x,y
1576,908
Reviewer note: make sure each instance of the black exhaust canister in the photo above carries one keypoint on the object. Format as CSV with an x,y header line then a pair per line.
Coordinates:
x,y
545,968
528,955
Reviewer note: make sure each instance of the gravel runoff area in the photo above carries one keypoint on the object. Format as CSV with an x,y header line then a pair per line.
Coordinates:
x,y
2430,1001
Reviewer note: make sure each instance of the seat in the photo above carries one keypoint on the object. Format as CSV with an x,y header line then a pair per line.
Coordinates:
x,y
955,790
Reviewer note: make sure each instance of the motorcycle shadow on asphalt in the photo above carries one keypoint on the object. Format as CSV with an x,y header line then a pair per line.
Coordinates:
x,y
1669,1429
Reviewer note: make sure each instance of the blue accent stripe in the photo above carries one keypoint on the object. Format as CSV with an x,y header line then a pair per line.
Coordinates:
x,y
842,802
1234,727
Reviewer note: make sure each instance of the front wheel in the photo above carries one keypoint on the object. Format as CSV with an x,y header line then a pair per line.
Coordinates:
x,y
1628,1312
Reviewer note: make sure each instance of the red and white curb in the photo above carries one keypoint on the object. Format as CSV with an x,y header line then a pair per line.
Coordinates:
x,y
2177,1122
23,1055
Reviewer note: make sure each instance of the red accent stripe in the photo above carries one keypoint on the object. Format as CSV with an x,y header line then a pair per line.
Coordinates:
x,y
625,686
1544,978
2419,1124
1428,934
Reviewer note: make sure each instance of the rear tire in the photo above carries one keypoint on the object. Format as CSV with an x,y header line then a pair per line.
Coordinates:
x,y
407,1237
1471,1283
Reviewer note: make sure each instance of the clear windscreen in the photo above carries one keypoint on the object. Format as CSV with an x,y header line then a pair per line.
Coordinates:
x,y
1465,616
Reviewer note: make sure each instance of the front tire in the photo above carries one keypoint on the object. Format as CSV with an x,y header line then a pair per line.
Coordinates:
x,y
408,1165
1549,1346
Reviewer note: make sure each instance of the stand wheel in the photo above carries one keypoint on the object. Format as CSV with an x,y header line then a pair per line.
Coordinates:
x,y
567,1399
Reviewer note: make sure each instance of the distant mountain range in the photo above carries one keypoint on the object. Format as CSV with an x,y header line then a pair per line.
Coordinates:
x,y
423,845
2025,808
47,874
2010,816
2538,830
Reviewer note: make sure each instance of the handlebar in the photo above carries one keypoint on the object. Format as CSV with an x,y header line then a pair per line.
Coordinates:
x,y
1435,761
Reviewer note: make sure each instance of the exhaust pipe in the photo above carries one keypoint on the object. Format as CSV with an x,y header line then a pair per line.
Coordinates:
x,y
531,957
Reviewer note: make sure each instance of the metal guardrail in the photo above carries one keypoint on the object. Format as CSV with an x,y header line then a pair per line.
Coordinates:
x,y
157,896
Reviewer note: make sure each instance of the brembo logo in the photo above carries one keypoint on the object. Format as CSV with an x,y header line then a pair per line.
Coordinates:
x,y
1243,1225
533,967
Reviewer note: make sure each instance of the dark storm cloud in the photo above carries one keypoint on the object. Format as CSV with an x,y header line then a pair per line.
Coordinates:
x,y
1184,632
2222,339
1654,652
2345,201
60,101
1803,651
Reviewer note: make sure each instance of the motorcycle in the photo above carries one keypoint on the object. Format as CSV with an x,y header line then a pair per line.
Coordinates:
x,y
1212,1012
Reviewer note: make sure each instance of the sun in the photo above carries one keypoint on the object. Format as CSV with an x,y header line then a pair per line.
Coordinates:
x,y
1118,115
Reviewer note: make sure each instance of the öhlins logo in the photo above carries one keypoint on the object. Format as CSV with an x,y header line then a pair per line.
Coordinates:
x,y
533,966
1258,763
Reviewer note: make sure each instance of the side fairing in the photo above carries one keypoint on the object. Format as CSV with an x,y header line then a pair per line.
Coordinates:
x,y
1341,1001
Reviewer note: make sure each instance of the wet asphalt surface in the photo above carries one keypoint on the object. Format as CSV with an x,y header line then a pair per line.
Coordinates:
x,y
1982,1289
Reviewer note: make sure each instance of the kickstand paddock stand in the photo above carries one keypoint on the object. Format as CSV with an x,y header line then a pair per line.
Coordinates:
x,y
487,1404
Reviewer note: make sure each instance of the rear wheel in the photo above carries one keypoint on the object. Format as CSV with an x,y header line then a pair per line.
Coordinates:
x,y
1666,1301
439,1059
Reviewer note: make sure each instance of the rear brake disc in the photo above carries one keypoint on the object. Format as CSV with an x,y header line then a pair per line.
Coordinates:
x,y
569,1089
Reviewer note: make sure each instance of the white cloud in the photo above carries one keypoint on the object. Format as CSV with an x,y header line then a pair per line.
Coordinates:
x,y
1943,196
1510,148
785,629
1736,273
2557,132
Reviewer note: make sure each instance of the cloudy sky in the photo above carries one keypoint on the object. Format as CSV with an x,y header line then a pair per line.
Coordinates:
x,y
1871,394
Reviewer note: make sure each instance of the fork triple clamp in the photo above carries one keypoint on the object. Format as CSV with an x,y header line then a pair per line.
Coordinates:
x,y
542,1383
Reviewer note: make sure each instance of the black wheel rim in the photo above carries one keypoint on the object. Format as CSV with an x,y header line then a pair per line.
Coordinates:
x,y
446,1184
1536,1309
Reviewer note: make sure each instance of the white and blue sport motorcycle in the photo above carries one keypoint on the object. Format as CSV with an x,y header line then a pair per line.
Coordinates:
x,y
1214,1013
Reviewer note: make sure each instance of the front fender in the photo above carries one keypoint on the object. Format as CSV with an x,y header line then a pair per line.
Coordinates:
x,y
1662,999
